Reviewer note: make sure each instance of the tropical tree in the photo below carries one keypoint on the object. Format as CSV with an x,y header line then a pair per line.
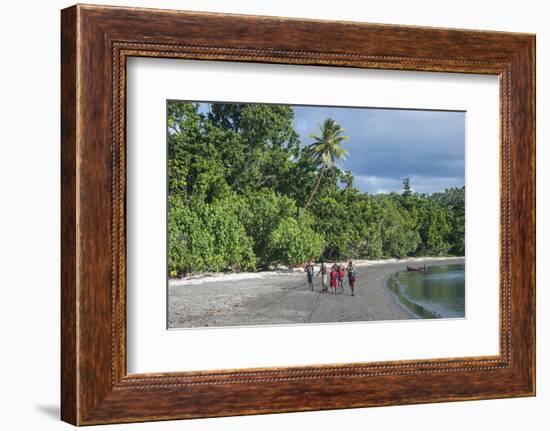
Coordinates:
x,y
327,150
294,241
407,189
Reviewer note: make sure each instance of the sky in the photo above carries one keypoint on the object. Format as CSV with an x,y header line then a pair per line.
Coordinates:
x,y
387,145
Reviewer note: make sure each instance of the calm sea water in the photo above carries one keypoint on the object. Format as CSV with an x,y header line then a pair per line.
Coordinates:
x,y
436,293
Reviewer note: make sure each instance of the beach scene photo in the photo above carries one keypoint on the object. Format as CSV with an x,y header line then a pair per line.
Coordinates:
x,y
296,214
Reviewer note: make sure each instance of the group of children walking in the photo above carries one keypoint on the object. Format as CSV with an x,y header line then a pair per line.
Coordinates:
x,y
337,276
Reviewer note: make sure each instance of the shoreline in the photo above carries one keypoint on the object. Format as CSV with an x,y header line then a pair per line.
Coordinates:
x,y
423,309
199,278
396,298
283,297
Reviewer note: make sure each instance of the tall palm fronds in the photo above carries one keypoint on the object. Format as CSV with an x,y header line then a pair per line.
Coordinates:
x,y
327,150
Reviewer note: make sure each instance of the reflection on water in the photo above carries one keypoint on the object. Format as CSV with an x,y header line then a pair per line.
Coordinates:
x,y
435,293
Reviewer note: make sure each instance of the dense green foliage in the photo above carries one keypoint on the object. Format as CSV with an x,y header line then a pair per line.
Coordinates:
x,y
243,193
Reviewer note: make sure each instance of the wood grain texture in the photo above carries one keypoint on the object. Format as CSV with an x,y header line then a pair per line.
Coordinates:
x,y
96,41
69,365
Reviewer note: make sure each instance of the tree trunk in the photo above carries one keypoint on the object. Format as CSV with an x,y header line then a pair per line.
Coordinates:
x,y
316,186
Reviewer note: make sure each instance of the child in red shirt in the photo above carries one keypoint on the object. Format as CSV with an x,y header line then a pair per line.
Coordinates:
x,y
333,279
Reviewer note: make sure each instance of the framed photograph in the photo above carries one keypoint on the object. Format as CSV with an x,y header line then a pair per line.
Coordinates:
x,y
264,214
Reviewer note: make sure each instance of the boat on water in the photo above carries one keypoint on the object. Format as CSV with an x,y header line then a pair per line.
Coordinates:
x,y
417,268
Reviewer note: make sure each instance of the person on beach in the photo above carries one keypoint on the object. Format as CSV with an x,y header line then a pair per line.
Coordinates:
x,y
341,276
333,278
310,270
351,277
323,270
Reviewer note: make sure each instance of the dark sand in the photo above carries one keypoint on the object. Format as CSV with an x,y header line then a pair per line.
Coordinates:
x,y
283,298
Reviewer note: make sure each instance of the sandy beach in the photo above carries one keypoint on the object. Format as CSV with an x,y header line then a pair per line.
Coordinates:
x,y
283,297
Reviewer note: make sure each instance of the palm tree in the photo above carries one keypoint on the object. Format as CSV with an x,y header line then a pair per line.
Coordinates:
x,y
327,150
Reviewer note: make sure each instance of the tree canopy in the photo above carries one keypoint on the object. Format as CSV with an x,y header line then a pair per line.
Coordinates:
x,y
244,193
327,150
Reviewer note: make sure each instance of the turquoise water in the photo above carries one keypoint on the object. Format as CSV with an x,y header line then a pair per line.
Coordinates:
x,y
438,292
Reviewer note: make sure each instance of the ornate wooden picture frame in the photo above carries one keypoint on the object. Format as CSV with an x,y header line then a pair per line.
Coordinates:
x,y
96,41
